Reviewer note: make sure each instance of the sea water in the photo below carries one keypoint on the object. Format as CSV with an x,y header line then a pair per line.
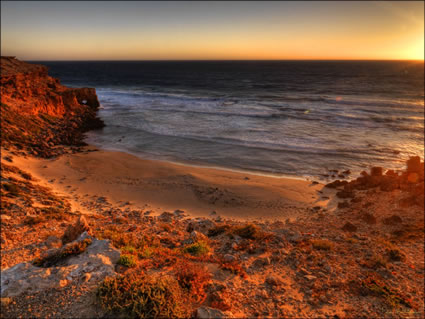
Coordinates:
x,y
296,118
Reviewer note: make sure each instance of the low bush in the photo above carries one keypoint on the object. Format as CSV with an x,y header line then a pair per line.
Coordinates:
x,y
375,287
127,260
234,268
135,295
395,254
193,277
199,248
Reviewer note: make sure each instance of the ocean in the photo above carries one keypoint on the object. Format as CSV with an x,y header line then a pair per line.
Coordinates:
x,y
284,118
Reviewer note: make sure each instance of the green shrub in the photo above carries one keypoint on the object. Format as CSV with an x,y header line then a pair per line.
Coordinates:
x,y
63,253
199,248
142,296
127,260
147,252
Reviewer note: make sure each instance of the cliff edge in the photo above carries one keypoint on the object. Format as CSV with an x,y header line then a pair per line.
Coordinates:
x,y
39,113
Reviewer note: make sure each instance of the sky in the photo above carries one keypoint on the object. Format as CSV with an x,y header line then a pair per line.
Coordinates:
x,y
275,30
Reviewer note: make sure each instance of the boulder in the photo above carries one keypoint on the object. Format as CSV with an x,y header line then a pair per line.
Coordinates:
x,y
98,261
376,171
414,164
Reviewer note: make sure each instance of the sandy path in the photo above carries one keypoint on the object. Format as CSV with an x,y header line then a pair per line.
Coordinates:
x,y
160,186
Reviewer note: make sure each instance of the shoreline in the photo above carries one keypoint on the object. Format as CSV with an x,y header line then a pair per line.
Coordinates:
x,y
235,170
159,186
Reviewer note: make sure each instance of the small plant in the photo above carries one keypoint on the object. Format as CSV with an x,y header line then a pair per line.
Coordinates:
x,y
120,239
193,278
128,250
165,227
322,244
147,252
234,268
199,248
377,262
127,260
395,254
63,253
375,287
140,296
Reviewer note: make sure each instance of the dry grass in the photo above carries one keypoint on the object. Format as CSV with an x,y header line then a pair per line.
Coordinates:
x,y
322,244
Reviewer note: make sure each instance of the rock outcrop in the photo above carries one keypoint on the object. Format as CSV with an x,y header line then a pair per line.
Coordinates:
x,y
38,112
91,266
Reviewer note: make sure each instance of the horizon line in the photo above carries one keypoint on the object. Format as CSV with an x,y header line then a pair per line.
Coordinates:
x,y
218,60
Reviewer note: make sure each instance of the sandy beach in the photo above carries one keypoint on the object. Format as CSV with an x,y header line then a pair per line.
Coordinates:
x,y
129,181
85,232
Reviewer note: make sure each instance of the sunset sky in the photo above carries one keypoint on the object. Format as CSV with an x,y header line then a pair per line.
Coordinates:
x,y
212,30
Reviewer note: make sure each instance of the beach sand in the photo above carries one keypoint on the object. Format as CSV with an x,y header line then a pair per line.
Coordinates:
x,y
129,181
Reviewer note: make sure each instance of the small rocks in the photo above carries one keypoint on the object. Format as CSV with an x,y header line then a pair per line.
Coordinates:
x,y
368,218
273,281
229,258
336,184
8,158
392,220
343,204
166,217
310,277
349,227
260,262
73,231
345,194
197,236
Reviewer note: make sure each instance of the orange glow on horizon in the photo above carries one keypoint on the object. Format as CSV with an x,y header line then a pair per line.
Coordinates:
x,y
212,31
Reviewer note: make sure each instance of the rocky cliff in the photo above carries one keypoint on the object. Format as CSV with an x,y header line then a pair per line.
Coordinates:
x,y
39,113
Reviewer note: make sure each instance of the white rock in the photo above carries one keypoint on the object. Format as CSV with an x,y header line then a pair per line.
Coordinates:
x,y
209,313
98,260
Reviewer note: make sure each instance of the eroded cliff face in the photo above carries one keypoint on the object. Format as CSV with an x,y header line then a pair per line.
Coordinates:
x,y
39,113
30,90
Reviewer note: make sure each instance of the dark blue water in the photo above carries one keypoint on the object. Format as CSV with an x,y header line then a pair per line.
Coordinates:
x,y
296,118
